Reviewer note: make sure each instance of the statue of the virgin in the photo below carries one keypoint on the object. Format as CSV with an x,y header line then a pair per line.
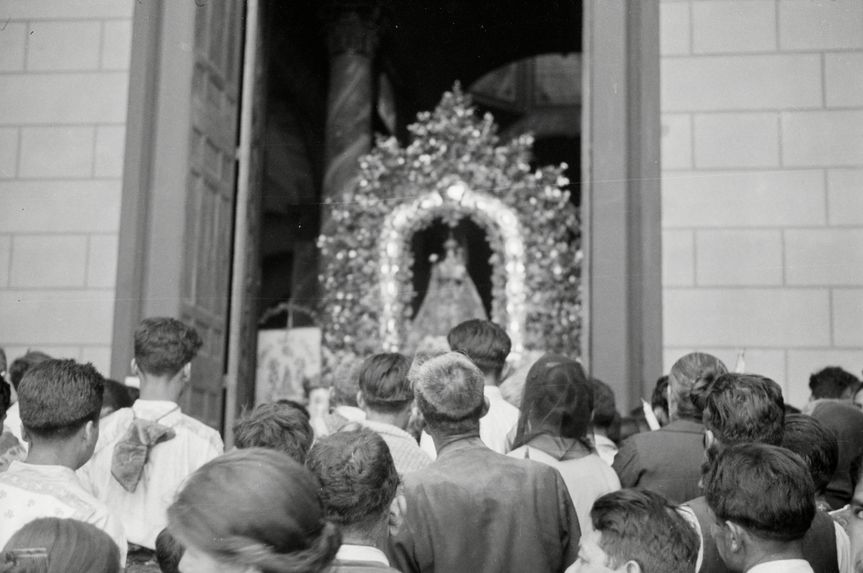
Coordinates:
x,y
452,297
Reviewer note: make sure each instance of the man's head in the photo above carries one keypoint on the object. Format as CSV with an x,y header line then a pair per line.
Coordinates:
x,y
637,531
484,342
816,445
683,376
275,426
743,408
164,348
358,482
833,382
60,405
22,364
763,499
659,400
606,419
384,385
449,394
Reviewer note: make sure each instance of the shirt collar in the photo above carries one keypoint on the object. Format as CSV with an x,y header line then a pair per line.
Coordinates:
x,y
154,409
45,470
784,565
384,428
349,552
492,392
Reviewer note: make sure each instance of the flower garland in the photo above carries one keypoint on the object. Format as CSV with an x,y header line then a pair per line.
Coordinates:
x,y
454,167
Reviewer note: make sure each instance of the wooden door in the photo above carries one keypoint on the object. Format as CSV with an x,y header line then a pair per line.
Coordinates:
x,y
210,198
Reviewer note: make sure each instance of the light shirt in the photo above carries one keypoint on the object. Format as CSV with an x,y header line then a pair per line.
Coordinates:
x,y
605,448
783,566
494,427
30,491
13,422
365,553
406,453
144,511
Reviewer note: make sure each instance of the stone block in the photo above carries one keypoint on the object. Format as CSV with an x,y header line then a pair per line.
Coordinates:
x,y
676,141
743,199
69,98
678,258
66,9
736,140
674,28
57,317
66,45
804,362
60,206
117,45
844,79
822,138
13,46
48,261
5,258
720,26
741,82
820,24
738,257
746,317
8,152
53,152
848,318
829,257
110,143
845,196
102,261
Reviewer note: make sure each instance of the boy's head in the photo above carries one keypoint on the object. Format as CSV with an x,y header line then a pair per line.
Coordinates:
x,y
449,394
743,408
22,364
833,382
484,342
276,426
384,385
817,446
164,347
637,531
60,402
169,552
763,499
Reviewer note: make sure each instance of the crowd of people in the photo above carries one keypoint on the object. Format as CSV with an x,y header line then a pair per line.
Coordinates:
x,y
441,462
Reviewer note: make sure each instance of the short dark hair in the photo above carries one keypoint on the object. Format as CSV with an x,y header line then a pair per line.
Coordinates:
x,y
605,412
742,408
763,488
275,426
117,395
816,444
58,397
22,364
383,380
484,342
357,474
659,398
832,382
169,552
164,345
5,397
642,526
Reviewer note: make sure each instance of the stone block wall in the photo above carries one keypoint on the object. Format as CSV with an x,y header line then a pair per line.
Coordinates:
x,y
762,143
64,72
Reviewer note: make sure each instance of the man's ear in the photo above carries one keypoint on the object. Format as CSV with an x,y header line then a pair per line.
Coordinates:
x,y
25,435
485,406
709,439
187,371
134,366
361,402
738,537
91,431
632,567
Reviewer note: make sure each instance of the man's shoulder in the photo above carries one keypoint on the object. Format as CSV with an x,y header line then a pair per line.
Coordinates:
x,y
196,429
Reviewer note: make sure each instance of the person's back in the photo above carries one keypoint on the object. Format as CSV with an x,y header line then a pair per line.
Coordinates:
x,y
474,509
146,451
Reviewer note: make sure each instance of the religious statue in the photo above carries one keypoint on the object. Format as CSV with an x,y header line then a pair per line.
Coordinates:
x,y
452,297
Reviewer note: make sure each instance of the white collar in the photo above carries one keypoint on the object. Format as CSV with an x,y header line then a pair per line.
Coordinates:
x,y
783,565
154,409
18,466
492,392
349,552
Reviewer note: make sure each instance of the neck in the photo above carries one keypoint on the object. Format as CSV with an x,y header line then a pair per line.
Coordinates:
x,y
53,454
773,551
491,380
597,431
399,419
159,388
375,534
442,439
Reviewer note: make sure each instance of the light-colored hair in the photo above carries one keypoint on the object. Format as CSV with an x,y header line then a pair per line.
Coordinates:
x,y
683,376
255,508
449,389
52,545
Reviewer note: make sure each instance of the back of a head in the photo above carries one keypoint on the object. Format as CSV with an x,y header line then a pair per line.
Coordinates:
x,y
255,508
276,426
605,414
484,342
744,408
815,444
449,392
58,397
683,376
833,382
22,364
5,398
52,545
383,380
163,346
116,396
641,526
357,475
169,552
659,398
765,489
341,376
557,400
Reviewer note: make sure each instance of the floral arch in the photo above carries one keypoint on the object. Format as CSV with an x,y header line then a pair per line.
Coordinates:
x,y
455,167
